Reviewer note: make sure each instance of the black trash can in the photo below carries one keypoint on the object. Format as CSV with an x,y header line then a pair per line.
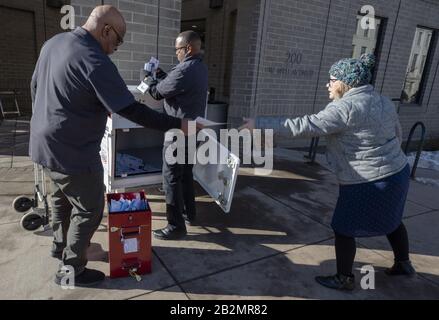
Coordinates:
x,y
217,112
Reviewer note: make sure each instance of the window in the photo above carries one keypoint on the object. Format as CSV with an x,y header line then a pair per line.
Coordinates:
x,y
419,38
366,33
427,42
423,61
367,40
415,59
416,68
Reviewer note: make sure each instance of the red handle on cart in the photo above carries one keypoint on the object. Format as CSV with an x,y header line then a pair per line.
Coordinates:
x,y
130,232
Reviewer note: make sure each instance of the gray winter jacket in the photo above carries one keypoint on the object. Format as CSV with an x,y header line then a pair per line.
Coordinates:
x,y
362,131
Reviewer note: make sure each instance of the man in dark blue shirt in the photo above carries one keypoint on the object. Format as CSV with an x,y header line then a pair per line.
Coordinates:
x,y
185,92
74,88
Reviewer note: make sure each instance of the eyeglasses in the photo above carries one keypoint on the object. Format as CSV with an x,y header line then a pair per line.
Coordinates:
x,y
119,38
179,48
330,81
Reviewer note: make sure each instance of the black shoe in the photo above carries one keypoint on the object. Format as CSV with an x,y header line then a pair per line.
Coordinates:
x,y
339,282
86,278
401,268
188,220
170,233
56,255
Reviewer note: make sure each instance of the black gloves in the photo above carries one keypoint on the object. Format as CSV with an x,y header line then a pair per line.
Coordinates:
x,y
160,74
151,82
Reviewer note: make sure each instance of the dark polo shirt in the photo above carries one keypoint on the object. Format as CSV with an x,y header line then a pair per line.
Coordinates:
x,y
74,87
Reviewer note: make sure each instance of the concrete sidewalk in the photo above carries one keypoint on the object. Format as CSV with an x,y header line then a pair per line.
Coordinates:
x,y
273,243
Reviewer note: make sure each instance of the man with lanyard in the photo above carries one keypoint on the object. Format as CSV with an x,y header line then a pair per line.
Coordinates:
x,y
185,92
74,87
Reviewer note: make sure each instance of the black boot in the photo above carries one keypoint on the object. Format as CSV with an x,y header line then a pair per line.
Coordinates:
x,y
338,281
401,268
87,278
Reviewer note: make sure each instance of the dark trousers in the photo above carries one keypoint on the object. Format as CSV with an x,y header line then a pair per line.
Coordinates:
x,y
77,209
345,249
178,185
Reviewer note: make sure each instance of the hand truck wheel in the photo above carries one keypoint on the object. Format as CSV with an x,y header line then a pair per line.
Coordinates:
x,y
22,204
31,221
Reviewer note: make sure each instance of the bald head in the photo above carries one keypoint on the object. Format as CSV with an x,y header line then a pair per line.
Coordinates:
x,y
187,44
107,26
106,14
190,38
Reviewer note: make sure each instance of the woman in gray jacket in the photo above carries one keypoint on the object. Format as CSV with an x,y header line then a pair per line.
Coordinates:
x,y
364,149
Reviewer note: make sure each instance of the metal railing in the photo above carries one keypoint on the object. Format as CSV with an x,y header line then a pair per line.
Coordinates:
x,y
409,139
420,145
311,156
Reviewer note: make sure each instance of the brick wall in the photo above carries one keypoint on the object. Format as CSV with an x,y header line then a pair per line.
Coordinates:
x,y
272,34
31,22
140,41
265,77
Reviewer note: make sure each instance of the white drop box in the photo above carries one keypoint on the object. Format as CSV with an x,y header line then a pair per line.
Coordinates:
x,y
126,138
130,139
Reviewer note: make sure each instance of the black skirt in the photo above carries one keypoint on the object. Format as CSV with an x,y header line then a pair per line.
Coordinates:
x,y
372,208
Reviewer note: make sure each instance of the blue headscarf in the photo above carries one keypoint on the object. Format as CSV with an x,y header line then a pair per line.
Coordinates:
x,y
354,72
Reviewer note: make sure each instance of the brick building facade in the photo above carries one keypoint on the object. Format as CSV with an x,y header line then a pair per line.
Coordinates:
x,y
283,50
151,24
265,57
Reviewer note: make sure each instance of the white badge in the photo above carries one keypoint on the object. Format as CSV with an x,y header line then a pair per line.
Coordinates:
x,y
143,87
